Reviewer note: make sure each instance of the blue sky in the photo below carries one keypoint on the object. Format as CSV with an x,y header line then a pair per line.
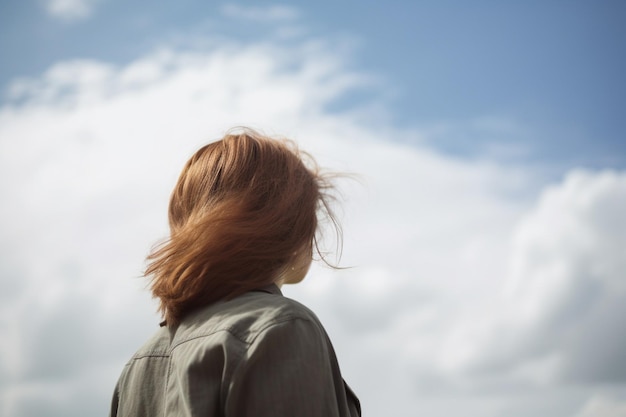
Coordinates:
x,y
485,232
552,69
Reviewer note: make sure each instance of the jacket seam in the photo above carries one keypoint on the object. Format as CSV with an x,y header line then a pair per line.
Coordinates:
x,y
230,330
150,355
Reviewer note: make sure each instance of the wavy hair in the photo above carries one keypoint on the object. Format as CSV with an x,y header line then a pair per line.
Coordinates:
x,y
243,208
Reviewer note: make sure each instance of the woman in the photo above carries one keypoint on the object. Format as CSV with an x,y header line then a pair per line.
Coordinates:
x,y
243,219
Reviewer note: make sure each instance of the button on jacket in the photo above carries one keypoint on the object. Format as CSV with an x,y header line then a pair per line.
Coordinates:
x,y
260,354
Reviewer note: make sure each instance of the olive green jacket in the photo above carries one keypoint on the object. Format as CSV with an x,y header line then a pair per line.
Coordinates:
x,y
260,354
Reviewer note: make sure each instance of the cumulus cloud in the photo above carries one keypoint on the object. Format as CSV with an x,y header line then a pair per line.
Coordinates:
x,y
461,282
567,279
564,290
70,10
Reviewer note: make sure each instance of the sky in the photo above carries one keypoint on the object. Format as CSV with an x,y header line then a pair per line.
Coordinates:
x,y
484,231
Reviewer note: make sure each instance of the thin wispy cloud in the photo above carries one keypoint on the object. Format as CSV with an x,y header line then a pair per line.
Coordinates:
x,y
277,13
70,10
603,406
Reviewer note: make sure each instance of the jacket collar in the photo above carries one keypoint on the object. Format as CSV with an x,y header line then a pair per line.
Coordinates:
x,y
270,289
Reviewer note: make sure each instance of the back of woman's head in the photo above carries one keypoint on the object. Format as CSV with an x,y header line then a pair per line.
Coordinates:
x,y
244,208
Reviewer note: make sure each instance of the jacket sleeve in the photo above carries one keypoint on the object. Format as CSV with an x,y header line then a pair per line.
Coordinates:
x,y
114,402
290,369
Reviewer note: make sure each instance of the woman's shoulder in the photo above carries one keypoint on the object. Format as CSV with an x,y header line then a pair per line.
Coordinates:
x,y
245,317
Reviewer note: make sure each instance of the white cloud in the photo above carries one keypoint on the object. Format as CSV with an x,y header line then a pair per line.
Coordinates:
x,y
565,283
90,152
70,9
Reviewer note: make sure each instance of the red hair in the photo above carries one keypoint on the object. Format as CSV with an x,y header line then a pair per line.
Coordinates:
x,y
242,209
